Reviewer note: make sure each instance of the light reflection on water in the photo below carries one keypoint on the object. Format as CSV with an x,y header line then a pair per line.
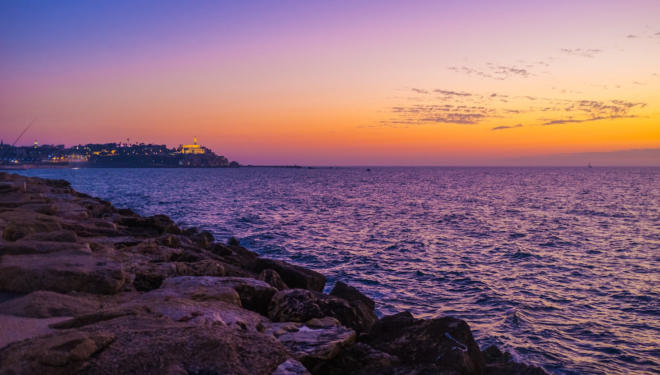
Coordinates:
x,y
558,265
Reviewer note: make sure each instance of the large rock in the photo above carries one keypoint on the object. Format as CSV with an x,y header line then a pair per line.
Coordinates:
x,y
60,272
20,223
273,279
200,312
294,276
151,275
145,345
148,226
363,305
254,294
442,344
301,305
362,359
312,345
44,304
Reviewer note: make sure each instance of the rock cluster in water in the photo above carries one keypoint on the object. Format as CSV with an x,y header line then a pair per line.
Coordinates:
x,y
86,288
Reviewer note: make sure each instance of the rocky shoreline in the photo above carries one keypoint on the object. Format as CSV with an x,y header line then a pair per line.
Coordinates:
x,y
86,288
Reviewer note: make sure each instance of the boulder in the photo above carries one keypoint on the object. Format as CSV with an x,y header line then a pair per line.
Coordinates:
x,y
273,279
44,304
363,305
360,358
254,294
148,226
294,276
311,345
301,305
442,344
60,272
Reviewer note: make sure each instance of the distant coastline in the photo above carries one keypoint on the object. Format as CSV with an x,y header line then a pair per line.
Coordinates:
x,y
111,155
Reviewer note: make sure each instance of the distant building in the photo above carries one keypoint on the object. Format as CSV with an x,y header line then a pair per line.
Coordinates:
x,y
193,148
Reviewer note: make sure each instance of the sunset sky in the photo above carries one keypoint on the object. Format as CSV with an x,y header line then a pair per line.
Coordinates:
x,y
336,82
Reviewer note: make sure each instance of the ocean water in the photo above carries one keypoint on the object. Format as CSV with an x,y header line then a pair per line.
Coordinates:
x,y
560,266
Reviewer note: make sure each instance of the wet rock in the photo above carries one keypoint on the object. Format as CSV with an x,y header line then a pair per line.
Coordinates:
x,y
233,241
238,256
44,304
60,272
363,305
311,345
301,305
291,367
294,276
442,344
273,279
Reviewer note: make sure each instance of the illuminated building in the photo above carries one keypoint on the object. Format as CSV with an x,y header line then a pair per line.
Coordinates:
x,y
193,148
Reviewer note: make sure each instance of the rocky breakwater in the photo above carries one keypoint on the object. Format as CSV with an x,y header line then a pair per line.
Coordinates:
x,y
86,288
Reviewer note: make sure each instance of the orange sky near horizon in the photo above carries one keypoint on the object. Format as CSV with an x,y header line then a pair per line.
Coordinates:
x,y
451,83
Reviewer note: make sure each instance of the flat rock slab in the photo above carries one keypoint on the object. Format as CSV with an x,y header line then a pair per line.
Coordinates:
x,y
60,272
254,294
45,304
15,328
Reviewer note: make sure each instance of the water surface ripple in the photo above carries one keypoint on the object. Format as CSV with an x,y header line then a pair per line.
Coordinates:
x,y
558,265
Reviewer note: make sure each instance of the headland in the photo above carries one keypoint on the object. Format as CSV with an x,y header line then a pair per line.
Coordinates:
x,y
86,288
111,155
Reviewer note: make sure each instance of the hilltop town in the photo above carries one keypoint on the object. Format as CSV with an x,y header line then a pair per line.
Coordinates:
x,y
111,155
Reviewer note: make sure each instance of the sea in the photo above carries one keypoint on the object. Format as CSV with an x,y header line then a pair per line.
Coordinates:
x,y
558,266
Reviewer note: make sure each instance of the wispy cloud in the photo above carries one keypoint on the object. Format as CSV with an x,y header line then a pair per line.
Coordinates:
x,y
502,127
631,36
493,71
451,93
582,52
439,106
574,121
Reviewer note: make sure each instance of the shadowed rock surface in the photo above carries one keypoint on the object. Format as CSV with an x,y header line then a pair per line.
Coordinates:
x,y
90,289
